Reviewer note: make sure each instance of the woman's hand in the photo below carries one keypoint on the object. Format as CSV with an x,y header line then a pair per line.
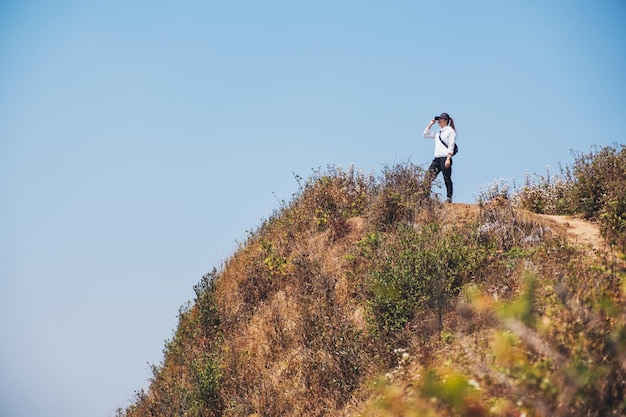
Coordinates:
x,y
432,122
448,162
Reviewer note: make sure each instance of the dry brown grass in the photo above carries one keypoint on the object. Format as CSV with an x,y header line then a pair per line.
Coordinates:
x,y
309,318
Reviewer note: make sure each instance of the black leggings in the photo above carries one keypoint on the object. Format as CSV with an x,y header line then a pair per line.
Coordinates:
x,y
437,166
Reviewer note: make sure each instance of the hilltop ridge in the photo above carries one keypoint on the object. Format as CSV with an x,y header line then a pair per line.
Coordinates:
x,y
363,298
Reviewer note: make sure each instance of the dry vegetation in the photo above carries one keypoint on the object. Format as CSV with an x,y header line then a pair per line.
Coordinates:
x,y
365,297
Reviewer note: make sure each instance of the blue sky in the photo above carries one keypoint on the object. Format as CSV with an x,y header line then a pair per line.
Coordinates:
x,y
140,141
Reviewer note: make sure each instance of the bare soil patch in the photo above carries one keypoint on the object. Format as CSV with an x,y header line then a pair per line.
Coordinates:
x,y
577,231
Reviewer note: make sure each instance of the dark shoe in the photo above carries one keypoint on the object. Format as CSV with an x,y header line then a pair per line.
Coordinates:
x,y
448,200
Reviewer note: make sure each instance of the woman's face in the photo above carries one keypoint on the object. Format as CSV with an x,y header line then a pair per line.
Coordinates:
x,y
442,122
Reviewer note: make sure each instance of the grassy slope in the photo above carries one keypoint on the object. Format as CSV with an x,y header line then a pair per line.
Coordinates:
x,y
362,298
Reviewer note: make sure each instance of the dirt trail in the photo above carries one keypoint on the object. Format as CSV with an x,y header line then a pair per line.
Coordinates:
x,y
576,230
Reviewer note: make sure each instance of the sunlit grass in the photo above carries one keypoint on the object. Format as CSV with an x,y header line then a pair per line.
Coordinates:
x,y
362,296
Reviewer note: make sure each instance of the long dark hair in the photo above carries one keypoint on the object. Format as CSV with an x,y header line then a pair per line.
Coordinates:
x,y
450,121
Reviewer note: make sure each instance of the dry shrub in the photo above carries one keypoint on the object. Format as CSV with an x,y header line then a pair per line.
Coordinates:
x,y
327,200
400,196
509,227
548,194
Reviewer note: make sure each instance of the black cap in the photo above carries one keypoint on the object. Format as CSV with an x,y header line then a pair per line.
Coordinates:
x,y
443,116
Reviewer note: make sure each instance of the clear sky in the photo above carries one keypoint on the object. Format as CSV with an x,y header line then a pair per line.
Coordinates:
x,y
141,140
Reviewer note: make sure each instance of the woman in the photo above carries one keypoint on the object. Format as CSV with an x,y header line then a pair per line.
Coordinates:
x,y
445,139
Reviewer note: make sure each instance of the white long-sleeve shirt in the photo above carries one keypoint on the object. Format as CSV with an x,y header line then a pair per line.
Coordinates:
x,y
448,135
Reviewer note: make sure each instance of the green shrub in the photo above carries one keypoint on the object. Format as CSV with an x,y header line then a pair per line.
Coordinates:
x,y
414,269
188,381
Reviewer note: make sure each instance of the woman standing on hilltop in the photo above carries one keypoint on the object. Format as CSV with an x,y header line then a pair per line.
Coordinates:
x,y
445,139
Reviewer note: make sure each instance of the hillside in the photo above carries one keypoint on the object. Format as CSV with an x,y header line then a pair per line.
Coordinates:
x,y
363,297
